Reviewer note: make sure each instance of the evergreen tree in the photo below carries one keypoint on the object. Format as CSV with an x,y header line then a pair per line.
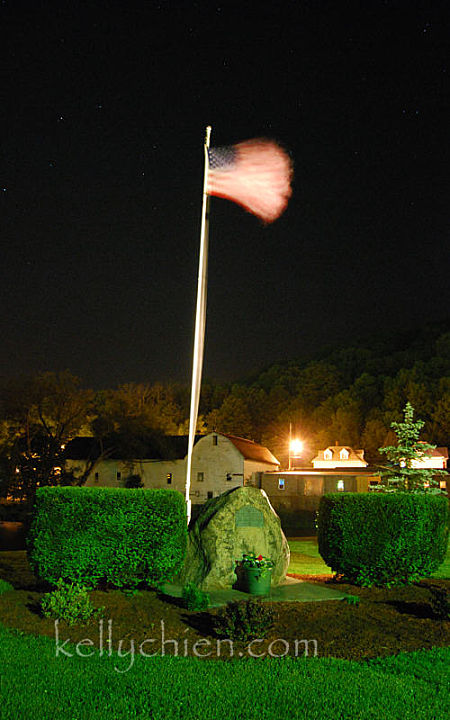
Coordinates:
x,y
403,473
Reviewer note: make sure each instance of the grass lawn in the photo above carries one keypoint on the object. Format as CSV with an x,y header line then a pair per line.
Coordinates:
x,y
305,560
387,657
410,686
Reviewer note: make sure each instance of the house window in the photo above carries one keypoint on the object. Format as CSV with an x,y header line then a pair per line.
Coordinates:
x,y
340,485
169,478
96,476
344,454
328,455
214,439
442,484
281,483
210,494
200,476
118,476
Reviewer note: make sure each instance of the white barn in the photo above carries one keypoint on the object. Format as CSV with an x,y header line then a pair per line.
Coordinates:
x,y
219,463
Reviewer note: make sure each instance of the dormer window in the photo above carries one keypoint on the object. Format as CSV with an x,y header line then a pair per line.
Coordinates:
x,y
344,454
327,455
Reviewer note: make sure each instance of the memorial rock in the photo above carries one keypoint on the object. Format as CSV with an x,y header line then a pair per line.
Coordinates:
x,y
239,521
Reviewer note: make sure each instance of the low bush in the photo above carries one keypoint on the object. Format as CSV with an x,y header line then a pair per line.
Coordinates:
x,y
133,481
113,535
244,620
352,600
69,602
5,586
194,598
383,539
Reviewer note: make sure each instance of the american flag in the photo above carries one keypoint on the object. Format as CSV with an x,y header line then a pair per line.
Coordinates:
x,y
255,174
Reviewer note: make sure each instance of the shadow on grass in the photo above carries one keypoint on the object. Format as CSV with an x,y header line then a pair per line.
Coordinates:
x,y
35,607
21,578
417,609
202,622
170,599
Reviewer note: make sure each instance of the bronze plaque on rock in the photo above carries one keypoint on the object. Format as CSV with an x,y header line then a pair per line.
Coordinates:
x,y
249,516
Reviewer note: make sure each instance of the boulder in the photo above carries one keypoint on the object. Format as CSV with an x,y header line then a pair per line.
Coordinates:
x,y
239,521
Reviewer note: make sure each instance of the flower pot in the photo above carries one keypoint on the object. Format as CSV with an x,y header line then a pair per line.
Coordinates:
x,y
257,580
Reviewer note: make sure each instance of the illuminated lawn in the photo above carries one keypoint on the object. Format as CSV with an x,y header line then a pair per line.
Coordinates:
x,y
305,560
361,669
35,683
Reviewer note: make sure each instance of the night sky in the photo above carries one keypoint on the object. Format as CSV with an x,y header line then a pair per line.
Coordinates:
x,y
103,117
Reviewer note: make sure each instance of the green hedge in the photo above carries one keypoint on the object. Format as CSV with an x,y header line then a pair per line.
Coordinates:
x,y
383,538
114,535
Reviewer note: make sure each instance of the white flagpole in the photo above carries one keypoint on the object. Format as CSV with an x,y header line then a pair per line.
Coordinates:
x,y
200,321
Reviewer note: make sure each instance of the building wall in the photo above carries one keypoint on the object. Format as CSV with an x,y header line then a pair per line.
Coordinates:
x,y
432,463
337,463
252,468
113,473
221,464
303,491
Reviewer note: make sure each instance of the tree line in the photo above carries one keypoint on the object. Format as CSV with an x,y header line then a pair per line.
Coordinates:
x,y
350,395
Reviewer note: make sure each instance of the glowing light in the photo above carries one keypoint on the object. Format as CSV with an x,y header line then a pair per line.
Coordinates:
x,y
296,447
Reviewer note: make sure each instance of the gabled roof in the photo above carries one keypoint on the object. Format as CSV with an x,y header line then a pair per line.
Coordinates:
x,y
441,452
165,447
336,452
251,450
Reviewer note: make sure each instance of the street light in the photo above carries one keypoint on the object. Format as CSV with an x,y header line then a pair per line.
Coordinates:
x,y
295,447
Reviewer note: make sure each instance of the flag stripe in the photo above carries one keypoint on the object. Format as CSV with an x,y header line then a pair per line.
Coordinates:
x,y
255,174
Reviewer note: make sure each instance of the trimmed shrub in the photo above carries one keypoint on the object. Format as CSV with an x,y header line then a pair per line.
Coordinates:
x,y
69,602
385,538
194,598
244,620
113,535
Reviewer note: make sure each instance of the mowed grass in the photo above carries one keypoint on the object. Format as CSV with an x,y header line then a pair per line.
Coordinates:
x,y
305,560
36,683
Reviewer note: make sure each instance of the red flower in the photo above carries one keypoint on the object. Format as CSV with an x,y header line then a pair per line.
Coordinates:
x,y
260,557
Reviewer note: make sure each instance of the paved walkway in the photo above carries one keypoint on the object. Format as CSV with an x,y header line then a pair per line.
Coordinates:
x,y
291,590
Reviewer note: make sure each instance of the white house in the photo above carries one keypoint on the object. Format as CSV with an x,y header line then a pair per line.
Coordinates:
x,y
435,460
219,462
339,456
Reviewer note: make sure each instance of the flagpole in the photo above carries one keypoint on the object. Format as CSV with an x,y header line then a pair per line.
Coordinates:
x,y
200,322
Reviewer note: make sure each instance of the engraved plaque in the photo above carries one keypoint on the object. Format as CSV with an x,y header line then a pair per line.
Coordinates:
x,y
249,516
